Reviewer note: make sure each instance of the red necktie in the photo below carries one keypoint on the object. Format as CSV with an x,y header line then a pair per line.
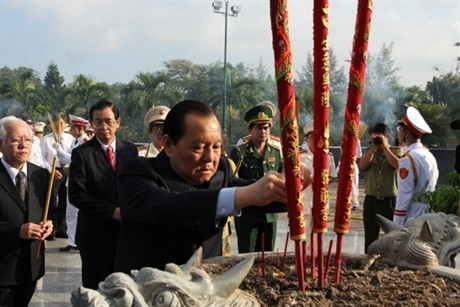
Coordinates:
x,y
111,158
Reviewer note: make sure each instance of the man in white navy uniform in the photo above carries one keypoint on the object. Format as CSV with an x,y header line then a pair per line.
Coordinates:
x,y
57,212
36,156
77,130
418,171
154,119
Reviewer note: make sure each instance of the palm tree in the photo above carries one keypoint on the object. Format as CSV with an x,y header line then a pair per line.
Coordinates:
x,y
434,115
139,95
25,89
85,91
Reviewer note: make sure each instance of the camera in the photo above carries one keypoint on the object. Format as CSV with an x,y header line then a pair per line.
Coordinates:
x,y
377,140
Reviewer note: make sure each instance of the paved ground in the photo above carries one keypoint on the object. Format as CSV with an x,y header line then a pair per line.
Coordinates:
x,y
63,268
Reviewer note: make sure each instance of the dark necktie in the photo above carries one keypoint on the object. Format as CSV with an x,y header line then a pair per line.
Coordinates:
x,y
111,158
20,185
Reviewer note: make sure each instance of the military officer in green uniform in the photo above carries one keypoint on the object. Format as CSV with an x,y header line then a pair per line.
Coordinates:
x,y
253,159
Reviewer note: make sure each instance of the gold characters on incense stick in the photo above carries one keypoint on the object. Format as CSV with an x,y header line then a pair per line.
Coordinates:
x,y
323,142
283,66
325,16
353,126
288,124
357,81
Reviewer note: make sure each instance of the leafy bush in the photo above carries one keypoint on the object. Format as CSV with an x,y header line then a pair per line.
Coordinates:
x,y
445,198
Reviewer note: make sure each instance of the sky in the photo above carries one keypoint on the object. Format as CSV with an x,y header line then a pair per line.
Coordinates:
x,y
113,40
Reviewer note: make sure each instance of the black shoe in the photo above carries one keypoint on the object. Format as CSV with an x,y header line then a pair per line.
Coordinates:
x,y
68,248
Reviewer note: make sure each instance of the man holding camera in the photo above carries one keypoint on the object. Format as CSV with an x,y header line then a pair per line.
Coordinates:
x,y
380,162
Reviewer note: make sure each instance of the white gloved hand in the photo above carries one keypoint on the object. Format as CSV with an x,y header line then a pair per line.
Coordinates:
x,y
57,146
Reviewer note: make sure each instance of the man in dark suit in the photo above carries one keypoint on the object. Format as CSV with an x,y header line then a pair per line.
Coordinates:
x,y
93,190
23,188
175,203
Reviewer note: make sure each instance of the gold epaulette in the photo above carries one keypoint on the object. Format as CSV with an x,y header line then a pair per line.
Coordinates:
x,y
274,141
232,164
244,140
275,138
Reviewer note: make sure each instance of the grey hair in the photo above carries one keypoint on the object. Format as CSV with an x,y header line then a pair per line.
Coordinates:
x,y
8,120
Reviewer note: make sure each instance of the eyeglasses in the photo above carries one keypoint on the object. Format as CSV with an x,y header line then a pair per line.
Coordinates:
x,y
108,122
400,128
157,126
18,141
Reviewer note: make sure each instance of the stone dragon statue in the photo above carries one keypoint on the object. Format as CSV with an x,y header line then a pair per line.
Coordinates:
x,y
428,240
186,285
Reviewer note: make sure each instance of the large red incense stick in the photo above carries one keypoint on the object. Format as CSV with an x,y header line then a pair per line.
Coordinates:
x,y
312,256
321,126
289,129
351,126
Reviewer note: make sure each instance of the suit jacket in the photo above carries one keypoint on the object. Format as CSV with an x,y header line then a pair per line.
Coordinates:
x,y
93,190
165,219
18,258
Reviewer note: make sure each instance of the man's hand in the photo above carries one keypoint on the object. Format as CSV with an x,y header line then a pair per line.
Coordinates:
x,y
269,188
32,231
117,214
382,145
58,175
57,146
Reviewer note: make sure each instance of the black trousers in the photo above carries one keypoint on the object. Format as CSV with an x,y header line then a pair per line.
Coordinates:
x,y
96,265
17,296
61,229
372,207
57,213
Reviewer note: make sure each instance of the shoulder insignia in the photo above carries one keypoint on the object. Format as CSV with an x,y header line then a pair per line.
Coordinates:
x,y
403,173
274,143
242,145
275,138
244,140
232,164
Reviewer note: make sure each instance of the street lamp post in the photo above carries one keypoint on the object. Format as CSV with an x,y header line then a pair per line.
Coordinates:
x,y
234,11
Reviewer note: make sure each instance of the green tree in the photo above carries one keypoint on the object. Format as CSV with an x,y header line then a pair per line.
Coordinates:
x,y
243,92
434,115
23,90
55,91
84,92
140,95
337,86
445,89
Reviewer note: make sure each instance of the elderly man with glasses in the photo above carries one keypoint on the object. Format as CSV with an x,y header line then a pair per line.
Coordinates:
x,y
23,190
